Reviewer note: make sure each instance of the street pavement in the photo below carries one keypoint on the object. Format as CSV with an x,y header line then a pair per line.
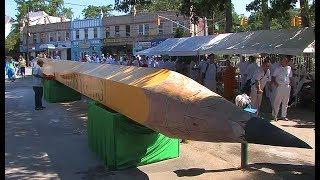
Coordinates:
x,y
52,144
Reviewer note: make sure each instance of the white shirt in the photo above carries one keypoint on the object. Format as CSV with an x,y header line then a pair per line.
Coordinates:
x,y
273,66
263,77
211,72
243,66
38,82
57,57
251,68
203,65
282,75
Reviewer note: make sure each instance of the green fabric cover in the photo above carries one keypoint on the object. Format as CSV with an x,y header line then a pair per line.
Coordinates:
x,y
56,92
123,143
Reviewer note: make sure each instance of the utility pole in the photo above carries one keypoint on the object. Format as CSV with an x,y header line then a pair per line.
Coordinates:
x,y
27,40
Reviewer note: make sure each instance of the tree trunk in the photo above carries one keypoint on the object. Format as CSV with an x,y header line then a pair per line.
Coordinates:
x,y
265,13
228,13
303,13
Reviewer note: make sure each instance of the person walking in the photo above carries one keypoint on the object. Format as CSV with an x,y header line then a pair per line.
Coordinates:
x,y
38,77
259,81
22,66
229,81
282,79
10,69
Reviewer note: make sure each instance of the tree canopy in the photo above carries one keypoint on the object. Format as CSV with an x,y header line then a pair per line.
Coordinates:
x,y
94,11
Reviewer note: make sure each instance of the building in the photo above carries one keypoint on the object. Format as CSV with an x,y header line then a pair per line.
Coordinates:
x,y
40,17
128,33
45,33
53,38
86,37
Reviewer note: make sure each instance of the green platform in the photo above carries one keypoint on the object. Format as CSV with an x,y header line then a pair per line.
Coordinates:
x,y
122,143
56,92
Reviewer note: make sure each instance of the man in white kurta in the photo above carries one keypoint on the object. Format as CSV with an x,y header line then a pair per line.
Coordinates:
x,y
210,80
271,91
259,80
282,79
251,68
242,69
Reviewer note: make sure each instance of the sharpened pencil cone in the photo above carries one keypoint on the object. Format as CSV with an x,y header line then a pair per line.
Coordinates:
x,y
261,131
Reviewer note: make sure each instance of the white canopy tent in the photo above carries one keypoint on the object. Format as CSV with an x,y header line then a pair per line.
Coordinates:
x,y
190,46
283,41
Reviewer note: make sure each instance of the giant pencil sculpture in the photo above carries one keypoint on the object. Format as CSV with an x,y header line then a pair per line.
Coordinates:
x,y
168,102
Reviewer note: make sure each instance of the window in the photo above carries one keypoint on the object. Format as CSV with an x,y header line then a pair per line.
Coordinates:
x,y
42,38
107,32
140,32
77,34
146,29
59,36
85,33
67,35
34,38
117,31
127,30
95,32
160,28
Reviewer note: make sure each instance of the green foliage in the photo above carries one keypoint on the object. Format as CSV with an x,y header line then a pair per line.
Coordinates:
x,y
179,32
94,11
126,5
12,42
51,7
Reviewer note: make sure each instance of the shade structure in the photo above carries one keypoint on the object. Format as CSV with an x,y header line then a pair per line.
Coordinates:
x,y
146,52
282,41
166,46
160,99
190,46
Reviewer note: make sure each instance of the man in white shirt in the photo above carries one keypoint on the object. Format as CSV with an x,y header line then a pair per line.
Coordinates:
x,y
251,68
37,85
103,59
282,79
242,65
210,74
260,79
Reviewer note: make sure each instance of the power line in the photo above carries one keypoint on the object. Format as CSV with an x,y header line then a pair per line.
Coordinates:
x,y
77,4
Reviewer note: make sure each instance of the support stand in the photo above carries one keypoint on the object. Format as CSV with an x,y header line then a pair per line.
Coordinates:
x,y
244,155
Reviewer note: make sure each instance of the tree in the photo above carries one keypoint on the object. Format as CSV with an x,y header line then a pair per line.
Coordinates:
x,y
94,11
179,32
228,13
12,42
126,5
51,7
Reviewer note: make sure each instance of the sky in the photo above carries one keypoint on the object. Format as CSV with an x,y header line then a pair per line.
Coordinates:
x,y
10,6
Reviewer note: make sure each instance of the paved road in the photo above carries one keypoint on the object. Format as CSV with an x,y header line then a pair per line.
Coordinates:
x,y
52,144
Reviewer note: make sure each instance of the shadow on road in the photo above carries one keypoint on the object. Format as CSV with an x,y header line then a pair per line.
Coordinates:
x,y
286,171
200,171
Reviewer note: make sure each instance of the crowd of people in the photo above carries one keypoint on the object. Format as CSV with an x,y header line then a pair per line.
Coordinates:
x,y
272,76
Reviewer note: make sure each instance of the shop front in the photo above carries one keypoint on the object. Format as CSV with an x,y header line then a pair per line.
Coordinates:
x,y
82,48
